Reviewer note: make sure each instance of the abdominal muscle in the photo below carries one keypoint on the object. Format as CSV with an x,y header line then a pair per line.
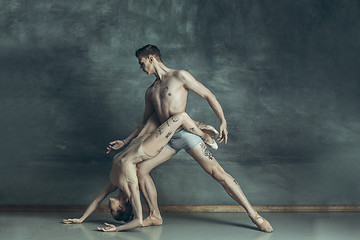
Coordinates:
x,y
169,108
168,98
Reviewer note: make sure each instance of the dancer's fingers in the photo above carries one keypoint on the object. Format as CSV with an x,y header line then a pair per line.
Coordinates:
x,y
109,229
223,136
68,221
109,150
220,136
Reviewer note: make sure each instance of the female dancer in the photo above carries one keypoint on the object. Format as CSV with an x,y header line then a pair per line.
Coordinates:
x,y
146,145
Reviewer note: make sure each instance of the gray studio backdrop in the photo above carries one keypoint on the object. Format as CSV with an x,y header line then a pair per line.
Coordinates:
x,y
286,73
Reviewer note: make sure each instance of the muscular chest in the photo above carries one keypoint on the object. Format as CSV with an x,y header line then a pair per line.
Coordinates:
x,y
162,93
168,98
166,92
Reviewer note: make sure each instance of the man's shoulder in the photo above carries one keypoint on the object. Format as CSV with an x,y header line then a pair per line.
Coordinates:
x,y
180,72
181,75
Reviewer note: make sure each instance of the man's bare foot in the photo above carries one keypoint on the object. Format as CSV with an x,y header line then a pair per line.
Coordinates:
x,y
152,221
261,223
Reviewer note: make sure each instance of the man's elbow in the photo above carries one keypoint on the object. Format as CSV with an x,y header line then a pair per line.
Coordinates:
x,y
210,97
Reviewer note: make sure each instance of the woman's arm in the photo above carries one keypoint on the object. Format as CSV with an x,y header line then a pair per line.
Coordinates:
x,y
106,191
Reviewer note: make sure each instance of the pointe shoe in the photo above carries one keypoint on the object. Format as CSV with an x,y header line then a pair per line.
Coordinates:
x,y
208,129
212,145
152,221
262,223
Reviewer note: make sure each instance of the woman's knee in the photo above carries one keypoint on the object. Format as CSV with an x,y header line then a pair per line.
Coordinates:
x,y
180,116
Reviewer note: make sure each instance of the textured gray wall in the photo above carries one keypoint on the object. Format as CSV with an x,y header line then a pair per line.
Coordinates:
x,y
286,73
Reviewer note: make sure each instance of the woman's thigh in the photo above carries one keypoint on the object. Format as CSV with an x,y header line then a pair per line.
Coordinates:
x,y
148,165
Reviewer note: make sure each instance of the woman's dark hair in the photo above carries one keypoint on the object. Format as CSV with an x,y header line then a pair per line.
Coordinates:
x,y
124,215
147,51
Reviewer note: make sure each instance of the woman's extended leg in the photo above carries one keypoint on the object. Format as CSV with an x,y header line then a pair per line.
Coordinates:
x,y
153,144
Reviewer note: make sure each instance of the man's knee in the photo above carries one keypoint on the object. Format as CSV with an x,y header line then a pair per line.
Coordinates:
x,y
217,172
141,171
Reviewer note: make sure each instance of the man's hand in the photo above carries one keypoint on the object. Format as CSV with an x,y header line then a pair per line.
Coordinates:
x,y
223,133
108,228
115,145
72,220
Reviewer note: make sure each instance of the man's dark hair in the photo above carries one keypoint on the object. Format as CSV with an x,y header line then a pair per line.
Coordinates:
x,y
126,215
147,51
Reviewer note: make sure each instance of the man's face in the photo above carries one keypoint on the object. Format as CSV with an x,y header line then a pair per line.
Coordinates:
x,y
145,65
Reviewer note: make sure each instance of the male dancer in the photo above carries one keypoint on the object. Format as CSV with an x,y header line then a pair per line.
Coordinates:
x,y
168,96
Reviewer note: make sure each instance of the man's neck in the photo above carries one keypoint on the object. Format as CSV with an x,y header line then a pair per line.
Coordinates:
x,y
161,70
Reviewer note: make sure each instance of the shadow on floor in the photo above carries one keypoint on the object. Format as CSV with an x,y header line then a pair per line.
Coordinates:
x,y
217,221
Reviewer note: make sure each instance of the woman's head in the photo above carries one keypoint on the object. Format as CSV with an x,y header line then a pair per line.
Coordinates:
x,y
120,209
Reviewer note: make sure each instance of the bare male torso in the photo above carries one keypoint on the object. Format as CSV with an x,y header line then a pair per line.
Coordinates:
x,y
169,95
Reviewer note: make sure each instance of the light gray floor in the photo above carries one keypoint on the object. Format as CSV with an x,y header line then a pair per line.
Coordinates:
x,y
185,226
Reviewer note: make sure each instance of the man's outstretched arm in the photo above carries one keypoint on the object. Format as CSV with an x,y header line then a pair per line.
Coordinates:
x,y
92,207
192,84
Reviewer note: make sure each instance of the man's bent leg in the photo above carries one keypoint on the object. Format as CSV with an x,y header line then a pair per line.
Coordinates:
x,y
207,161
147,185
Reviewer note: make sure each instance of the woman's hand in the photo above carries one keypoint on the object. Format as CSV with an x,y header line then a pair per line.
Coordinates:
x,y
108,228
116,145
72,220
